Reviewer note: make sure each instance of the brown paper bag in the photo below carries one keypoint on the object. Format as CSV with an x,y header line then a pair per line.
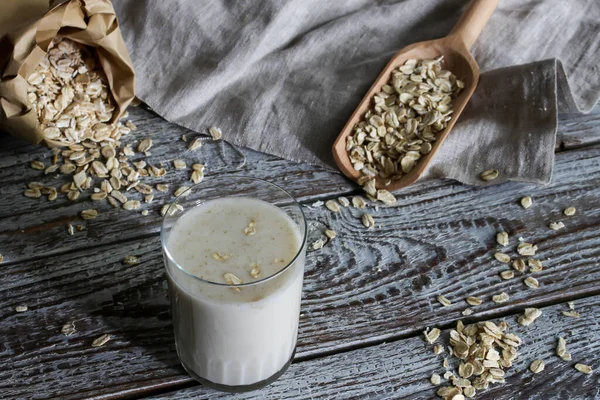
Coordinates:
x,y
89,22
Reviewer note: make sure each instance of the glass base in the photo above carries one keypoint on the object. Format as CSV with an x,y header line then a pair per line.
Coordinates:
x,y
240,388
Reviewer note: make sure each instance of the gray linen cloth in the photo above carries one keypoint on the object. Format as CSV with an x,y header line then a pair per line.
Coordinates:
x,y
283,77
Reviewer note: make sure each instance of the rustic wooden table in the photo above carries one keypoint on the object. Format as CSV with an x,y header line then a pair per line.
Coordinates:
x,y
368,294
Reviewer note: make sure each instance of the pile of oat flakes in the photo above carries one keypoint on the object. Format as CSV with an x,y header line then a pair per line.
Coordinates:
x,y
403,121
485,350
70,94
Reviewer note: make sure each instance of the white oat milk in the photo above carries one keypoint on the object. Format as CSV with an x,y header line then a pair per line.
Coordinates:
x,y
224,334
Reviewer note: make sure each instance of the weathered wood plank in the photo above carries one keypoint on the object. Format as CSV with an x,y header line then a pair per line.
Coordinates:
x,y
401,369
363,288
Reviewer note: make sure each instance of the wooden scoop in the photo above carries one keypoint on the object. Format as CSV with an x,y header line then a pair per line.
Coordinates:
x,y
457,59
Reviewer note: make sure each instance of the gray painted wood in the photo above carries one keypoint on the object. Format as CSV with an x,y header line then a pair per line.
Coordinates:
x,y
401,369
362,288
579,130
33,228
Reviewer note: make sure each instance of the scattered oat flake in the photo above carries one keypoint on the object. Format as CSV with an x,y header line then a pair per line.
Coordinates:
x,y
161,187
21,308
68,329
144,145
131,260
526,202
561,349
332,205
443,300
215,133
569,211
70,229
368,221
35,185
179,164
113,202
502,238
221,257
489,175
556,225
445,363
466,312
571,313
473,301
469,391
536,366
586,369
101,341
331,234
231,279
182,191
89,214
508,274
197,177
500,298
438,349
318,244
251,228
145,213
531,282
519,265
534,265
98,196
358,202
198,167
255,271
33,193
571,305
529,316
385,197
195,144
344,202
130,125
435,379
526,249
128,151
369,188
132,205
503,258
431,335
38,165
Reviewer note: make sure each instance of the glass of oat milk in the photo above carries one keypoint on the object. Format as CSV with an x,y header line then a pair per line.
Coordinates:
x,y
234,250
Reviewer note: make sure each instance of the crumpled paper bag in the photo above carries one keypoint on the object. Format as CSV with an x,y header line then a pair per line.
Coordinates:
x,y
90,22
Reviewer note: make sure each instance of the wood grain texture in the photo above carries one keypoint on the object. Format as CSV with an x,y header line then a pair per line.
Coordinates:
x,y
34,228
363,288
401,369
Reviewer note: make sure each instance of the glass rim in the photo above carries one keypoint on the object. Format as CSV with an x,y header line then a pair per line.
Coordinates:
x,y
241,285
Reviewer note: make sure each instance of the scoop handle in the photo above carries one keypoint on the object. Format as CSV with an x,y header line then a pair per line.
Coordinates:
x,y
472,21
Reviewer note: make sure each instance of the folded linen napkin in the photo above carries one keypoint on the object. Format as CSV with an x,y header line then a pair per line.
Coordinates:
x,y
283,77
